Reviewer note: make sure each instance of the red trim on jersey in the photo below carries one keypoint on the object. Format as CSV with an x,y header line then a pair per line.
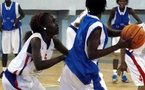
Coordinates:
x,y
27,58
16,84
15,72
139,68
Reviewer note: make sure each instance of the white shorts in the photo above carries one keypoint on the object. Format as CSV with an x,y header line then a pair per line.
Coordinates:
x,y
115,40
136,65
13,82
11,41
69,81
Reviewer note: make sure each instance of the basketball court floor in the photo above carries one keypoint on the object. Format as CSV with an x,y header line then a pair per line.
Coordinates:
x,y
49,77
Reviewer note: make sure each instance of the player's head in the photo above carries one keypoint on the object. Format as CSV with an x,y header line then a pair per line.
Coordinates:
x,y
96,7
7,1
124,2
44,22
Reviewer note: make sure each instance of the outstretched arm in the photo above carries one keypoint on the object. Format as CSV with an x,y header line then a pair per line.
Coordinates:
x,y
59,46
94,41
113,33
132,12
36,56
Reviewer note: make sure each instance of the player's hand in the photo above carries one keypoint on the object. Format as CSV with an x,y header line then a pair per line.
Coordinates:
x,y
16,23
124,43
121,68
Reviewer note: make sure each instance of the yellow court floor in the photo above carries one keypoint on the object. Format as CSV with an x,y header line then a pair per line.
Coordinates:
x,y
49,77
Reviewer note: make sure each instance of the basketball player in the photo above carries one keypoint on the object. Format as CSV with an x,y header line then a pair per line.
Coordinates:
x,y
119,17
135,60
35,55
72,29
10,25
80,72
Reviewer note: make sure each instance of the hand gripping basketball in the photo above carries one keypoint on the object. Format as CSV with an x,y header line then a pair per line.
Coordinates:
x,y
136,33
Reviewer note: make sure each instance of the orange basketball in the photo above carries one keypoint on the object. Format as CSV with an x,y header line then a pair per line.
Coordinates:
x,y
136,33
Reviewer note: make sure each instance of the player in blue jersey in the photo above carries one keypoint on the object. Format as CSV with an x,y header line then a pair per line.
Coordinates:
x,y
10,26
80,72
119,17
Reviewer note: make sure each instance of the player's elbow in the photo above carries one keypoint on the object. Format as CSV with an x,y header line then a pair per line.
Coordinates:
x,y
38,67
92,56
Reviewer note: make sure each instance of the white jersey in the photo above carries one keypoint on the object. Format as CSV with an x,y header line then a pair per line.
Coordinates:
x,y
22,68
71,30
24,60
79,18
135,60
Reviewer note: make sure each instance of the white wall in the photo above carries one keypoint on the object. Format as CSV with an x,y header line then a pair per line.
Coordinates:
x,y
69,4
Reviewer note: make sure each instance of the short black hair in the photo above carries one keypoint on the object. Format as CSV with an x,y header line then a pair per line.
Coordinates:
x,y
96,7
118,1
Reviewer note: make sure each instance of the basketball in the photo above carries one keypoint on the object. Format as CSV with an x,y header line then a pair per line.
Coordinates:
x,y
136,33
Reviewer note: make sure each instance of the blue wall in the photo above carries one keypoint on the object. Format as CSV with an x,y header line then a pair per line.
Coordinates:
x,y
65,22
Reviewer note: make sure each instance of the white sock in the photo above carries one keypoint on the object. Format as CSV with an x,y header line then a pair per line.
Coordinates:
x,y
124,73
4,68
114,72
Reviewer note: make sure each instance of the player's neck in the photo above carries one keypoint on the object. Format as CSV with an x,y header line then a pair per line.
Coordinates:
x,y
8,4
122,9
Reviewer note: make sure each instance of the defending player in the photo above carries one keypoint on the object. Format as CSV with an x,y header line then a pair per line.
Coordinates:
x,y
135,60
35,55
119,18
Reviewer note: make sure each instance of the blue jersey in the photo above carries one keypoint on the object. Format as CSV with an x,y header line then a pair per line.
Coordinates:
x,y
120,20
9,16
77,59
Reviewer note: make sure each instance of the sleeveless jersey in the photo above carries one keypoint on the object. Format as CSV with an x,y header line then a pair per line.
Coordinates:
x,y
77,59
9,14
23,62
140,50
121,19
79,18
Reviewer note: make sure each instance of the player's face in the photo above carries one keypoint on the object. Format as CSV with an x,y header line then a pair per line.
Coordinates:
x,y
122,3
7,1
51,25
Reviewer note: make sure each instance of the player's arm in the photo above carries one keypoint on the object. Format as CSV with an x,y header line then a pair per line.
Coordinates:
x,y
93,43
59,46
21,12
132,12
111,16
36,56
123,66
112,32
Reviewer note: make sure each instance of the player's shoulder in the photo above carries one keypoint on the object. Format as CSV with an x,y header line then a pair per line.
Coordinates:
x,y
113,9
